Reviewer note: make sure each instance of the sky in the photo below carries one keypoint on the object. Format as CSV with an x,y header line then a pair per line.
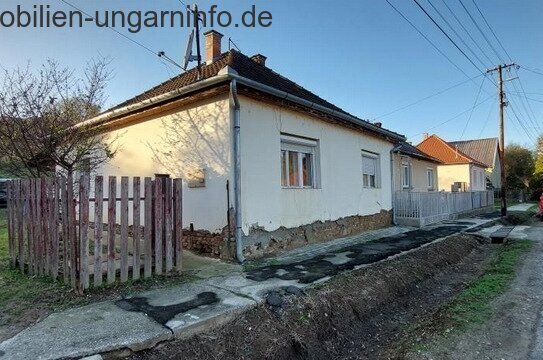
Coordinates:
x,y
358,54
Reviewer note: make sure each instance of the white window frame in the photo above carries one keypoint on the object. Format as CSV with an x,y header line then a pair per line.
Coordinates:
x,y
431,184
300,145
406,179
376,158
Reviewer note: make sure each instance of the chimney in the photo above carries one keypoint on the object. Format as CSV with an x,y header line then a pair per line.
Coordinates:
x,y
259,59
213,45
425,136
378,124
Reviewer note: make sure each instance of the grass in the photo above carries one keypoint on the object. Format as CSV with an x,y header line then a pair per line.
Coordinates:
x,y
472,306
23,298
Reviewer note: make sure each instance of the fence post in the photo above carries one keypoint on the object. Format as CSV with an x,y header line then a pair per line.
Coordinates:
x,y
136,229
124,229
178,212
111,218
10,219
148,229
65,229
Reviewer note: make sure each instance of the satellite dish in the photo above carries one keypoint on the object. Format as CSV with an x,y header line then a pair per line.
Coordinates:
x,y
188,52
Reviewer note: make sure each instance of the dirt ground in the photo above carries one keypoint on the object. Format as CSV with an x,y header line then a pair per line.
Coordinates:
x,y
513,331
363,314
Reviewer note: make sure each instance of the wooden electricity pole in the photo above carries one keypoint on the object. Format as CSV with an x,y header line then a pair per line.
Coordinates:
x,y
501,149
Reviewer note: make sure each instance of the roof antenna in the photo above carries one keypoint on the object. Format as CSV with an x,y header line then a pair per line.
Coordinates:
x,y
189,57
197,28
231,42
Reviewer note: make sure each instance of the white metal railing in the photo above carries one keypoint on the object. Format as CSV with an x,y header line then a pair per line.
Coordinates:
x,y
425,208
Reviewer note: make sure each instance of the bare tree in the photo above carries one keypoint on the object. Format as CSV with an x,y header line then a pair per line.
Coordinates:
x,y
40,120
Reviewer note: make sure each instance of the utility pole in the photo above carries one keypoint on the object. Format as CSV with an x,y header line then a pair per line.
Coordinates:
x,y
501,149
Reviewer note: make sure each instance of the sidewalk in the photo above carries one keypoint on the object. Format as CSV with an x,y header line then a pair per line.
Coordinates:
x,y
222,291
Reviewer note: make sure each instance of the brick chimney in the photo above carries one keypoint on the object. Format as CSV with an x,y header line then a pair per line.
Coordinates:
x,y
378,124
259,59
213,45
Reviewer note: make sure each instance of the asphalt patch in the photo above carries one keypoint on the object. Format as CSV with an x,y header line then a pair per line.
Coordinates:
x,y
163,314
316,268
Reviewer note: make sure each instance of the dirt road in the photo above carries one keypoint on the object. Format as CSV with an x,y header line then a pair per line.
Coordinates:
x,y
515,328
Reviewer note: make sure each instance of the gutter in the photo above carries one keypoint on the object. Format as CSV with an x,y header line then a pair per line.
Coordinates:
x,y
237,172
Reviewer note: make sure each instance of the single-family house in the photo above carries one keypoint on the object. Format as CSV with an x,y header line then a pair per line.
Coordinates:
x,y
457,171
284,165
485,151
413,169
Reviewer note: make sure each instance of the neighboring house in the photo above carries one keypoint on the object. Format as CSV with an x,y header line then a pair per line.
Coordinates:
x,y
485,151
414,170
299,168
457,171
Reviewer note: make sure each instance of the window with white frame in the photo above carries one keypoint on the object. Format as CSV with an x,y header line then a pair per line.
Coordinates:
x,y
430,178
370,170
406,174
298,162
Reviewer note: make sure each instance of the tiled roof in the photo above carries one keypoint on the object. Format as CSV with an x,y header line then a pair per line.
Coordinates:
x,y
482,150
245,67
445,152
410,150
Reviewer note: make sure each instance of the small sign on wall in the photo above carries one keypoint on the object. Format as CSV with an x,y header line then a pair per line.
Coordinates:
x,y
196,178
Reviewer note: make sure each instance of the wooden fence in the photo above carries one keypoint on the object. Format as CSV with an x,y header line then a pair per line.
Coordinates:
x,y
424,208
50,232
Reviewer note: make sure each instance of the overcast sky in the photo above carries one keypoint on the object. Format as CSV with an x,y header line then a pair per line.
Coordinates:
x,y
359,55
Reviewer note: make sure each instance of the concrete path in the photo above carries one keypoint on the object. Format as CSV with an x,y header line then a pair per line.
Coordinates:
x,y
222,292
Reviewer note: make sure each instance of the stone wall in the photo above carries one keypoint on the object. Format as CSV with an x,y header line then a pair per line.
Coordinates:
x,y
261,243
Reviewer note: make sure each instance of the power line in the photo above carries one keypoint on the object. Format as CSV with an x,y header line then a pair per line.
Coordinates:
x,y
426,38
481,31
487,119
466,30
536,71
473,108
426,97
491,30
456,33
454,117
113,29
445,33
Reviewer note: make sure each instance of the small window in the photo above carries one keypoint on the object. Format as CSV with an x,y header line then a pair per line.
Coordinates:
x,y
406,175
430,178
298,162
370,170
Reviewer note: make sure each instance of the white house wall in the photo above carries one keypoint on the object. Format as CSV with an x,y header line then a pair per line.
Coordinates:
x,y
268,206
468,173
203,133
419,168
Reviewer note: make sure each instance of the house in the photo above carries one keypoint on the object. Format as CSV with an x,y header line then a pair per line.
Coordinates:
x,y
414,170
457,171
286,166
485,151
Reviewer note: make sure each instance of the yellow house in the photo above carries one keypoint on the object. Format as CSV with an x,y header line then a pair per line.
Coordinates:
x,y
414,170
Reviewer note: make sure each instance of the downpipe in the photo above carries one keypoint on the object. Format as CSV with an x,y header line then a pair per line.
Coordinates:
x,y
237,172
392,189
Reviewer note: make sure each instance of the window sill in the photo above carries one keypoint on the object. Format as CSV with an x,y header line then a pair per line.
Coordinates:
x,y
298,188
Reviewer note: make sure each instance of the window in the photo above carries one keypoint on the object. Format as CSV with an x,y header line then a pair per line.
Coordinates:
x,y
430,178
370,170
406,174
298,162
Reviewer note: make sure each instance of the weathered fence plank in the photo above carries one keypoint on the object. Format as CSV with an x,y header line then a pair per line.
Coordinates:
x,y
98,228
54,224
148,230
72,233
111,218
124,229
10,221
168,224
178,227
65,230
159,225
21,216
136,230
84,183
